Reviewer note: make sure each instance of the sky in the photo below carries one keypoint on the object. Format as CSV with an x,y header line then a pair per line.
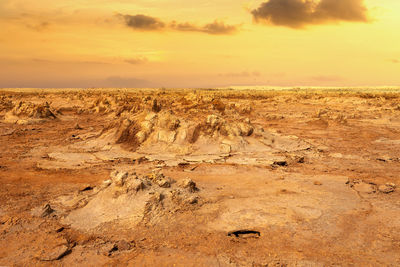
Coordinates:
x,y
197,44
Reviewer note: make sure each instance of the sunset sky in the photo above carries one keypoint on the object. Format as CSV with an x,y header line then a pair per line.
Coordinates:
x,y
184,43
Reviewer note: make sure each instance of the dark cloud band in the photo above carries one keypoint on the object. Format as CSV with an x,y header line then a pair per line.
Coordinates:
x,y
143,22
147,23
300,13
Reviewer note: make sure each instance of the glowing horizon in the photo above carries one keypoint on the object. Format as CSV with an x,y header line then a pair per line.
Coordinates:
x,y
104,43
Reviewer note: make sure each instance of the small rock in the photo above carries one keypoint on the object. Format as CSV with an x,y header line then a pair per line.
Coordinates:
x,y
281,163
156,198
156,107
107,183
155,175
77,127
317,183
55,254
59,229
119,178
189,184
108,249
46,210
213,120
123,245
85,187
136,185
164,183
385,158
192,200
387,188
301,160
140,160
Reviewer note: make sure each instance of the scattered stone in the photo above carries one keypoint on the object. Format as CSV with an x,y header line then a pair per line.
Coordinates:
x,y
300,159
161,165
245,233
156,107
2,167
56,253
140,160
213,121
192,200
387,188
60,229
85,187
108,249
189,184
281,163
119,178
137,185
164,183
385,158
123,245
107,183
46,211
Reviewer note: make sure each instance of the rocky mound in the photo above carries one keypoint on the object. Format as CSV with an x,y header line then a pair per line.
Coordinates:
x,y
164,133
116,104
176,130
127,198
168,132
27,112
5,103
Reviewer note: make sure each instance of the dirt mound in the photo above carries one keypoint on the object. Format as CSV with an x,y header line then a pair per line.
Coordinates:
x,y
27,112
164,127
129,198
117,104
167,137
5,103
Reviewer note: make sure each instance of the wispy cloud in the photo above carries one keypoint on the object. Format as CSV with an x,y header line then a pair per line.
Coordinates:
x,y
142,22
137,60
41,26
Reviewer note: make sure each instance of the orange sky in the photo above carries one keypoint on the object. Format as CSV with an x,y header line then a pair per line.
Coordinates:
x,y
183,43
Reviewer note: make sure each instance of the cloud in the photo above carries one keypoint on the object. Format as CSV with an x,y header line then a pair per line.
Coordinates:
x,y
137,60
300,13
143,22
219,28
60,62
215,27
38,26
147,23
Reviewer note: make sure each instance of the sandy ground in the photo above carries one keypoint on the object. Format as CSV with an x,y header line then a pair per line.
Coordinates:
x,y
199,178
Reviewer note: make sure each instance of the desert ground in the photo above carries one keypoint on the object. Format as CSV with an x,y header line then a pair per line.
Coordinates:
x,y
162,177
